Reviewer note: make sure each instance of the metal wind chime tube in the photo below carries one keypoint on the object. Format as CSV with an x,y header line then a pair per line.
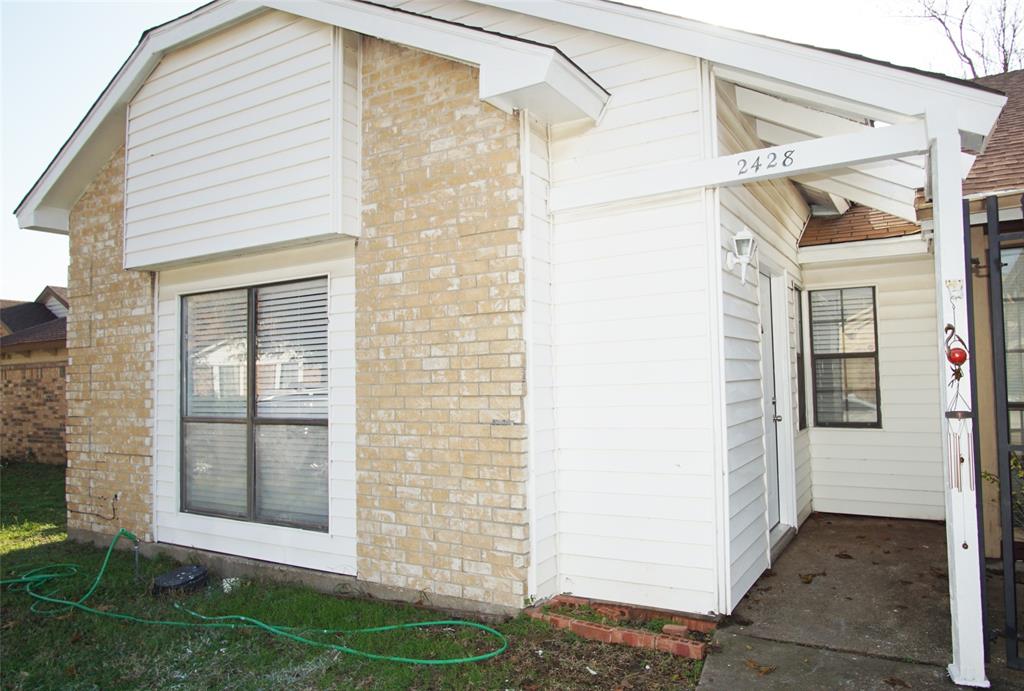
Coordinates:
x,y
961,427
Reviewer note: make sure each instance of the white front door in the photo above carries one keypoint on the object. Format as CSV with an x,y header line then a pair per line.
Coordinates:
x,y
771,416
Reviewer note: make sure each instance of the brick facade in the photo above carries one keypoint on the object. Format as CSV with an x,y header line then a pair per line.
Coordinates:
x,y
110,352
32,408
441,445
440,368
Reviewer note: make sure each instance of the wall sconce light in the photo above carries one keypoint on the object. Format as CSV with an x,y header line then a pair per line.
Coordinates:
x,y
744,247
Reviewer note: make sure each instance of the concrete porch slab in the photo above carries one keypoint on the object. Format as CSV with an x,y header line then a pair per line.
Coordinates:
x,y
853,603
872,586
744,662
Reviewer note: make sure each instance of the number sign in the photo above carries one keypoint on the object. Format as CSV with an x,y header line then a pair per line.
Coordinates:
x,y
771,160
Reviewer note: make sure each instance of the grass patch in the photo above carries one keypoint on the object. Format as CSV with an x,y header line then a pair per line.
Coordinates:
x,y
81,651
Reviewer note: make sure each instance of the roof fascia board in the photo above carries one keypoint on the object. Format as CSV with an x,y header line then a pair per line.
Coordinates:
x,y
105,121
513,73
860,81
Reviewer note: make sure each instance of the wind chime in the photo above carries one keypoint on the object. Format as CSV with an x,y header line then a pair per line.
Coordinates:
x,y
958,412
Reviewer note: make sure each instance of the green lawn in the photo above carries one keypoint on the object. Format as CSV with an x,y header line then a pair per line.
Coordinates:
x,y
78,650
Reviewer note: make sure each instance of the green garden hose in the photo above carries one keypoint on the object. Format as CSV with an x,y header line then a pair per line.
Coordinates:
x,y
42,576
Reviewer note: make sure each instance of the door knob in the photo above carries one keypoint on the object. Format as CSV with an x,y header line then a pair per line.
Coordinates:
x,y
777,418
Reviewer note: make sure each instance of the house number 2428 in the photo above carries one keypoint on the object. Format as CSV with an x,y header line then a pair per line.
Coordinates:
x,y
771,160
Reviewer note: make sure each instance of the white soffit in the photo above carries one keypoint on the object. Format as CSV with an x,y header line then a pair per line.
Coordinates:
x,y
514,73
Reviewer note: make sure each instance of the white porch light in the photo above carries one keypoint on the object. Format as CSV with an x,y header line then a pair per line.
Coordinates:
x,y
744,247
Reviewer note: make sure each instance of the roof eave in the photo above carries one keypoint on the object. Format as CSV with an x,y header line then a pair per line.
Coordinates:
x,y
903,91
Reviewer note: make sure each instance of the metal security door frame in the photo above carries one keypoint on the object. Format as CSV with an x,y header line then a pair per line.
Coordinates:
x,y
1003,446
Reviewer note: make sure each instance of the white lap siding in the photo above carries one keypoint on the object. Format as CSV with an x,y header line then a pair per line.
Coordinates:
x,y
776,213
234,143
894,471
334,550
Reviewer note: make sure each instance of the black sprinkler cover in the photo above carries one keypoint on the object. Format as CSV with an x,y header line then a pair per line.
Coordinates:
x,y
181,579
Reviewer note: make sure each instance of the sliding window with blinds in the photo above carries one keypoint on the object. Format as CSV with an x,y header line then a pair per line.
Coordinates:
x,y
254,422
844,358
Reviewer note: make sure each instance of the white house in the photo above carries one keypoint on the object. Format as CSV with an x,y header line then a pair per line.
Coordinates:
x,y
539,265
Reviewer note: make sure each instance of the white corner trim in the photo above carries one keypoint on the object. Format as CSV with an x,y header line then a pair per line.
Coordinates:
x,y
513,74
882,248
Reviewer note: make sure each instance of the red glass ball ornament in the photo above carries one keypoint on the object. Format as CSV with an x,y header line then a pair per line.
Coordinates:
x,y
956,356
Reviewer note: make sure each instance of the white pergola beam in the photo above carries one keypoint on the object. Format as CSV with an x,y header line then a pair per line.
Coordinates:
x,y
794,116
841,203
802,158
875,201
876,186
895,171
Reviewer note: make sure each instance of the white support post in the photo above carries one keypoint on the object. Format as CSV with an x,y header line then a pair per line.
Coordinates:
x,y
968,665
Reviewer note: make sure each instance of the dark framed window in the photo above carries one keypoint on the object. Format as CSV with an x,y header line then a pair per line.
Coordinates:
x,y
844,358
801,375
254,440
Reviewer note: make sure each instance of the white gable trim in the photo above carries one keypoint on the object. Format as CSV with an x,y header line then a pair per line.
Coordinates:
x,y
513,74
850,78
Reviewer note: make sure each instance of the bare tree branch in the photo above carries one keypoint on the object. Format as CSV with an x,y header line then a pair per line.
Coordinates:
x,y
987,39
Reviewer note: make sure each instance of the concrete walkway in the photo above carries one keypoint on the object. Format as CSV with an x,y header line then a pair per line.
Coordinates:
x,y
853,603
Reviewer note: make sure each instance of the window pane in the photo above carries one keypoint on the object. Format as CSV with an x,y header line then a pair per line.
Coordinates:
x,y
845,390
291,474
215,468
1013,322
843,321
215,355
291,350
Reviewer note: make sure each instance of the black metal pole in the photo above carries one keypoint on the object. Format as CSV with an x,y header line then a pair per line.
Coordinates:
x,y
975,427
995,292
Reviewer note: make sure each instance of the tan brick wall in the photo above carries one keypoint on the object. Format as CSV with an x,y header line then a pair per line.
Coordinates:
x,y
110,334
32,409
440,354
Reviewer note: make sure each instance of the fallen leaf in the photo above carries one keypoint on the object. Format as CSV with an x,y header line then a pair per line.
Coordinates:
x,y
896,682
808,578
843,555
76,636
759,668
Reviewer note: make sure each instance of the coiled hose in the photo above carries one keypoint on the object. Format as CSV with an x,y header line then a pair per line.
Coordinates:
x,y
32,581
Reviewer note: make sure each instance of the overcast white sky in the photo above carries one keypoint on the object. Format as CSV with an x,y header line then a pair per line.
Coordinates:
x,y
57,57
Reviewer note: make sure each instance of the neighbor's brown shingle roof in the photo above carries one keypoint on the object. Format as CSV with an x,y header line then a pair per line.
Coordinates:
x,y
54,331
25,315
859,223
1001,167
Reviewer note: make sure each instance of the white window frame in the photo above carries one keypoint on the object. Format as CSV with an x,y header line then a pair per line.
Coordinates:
x,y
334,550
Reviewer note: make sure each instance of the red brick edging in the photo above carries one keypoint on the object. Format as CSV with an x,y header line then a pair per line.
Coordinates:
x,y
672,640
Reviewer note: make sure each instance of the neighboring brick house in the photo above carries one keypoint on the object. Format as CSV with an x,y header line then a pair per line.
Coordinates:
x,y
446,296
33,363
